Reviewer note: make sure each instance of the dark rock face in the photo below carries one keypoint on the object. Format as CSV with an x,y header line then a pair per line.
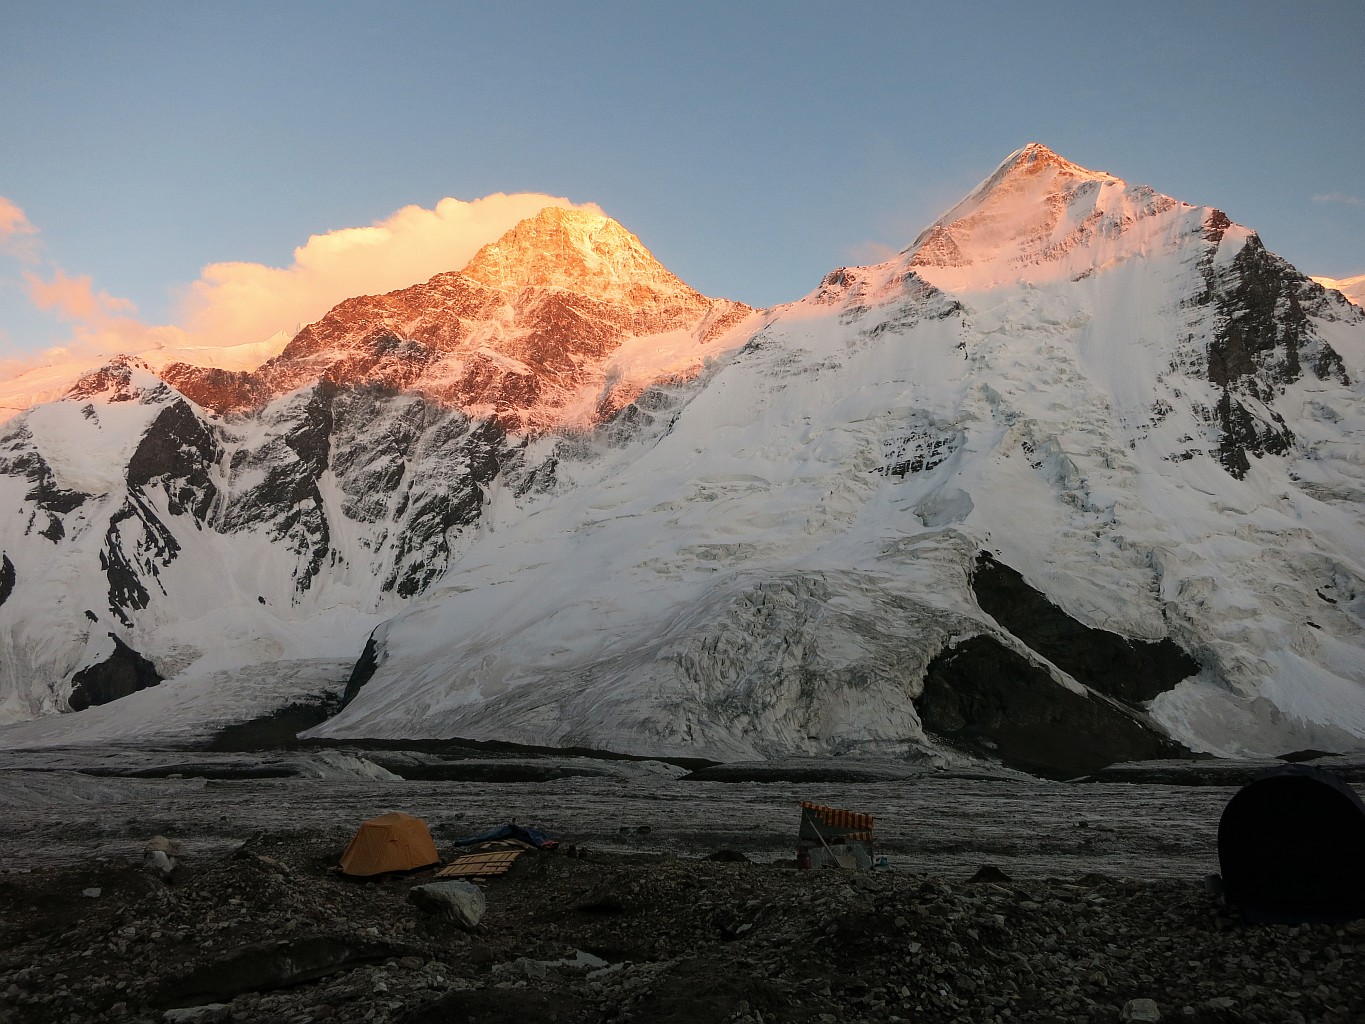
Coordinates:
x,y
136,545
50,502
277,730
361,671
1261,341
7,577
286,501
176,453
1129,670
1241,432
123,672
177,449
116,381
417,472
406,467
988,700
1262,324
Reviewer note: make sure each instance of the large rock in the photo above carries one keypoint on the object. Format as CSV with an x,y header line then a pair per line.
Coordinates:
x,y
457,900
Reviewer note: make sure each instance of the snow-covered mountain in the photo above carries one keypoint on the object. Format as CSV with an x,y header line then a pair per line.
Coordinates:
x,y
203,518
1075,478
1352,287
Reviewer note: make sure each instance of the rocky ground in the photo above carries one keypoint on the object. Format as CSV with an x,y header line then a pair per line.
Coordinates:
x,y
1099,902
270,933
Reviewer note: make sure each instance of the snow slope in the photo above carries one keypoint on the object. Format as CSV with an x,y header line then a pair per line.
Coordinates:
x,y
1074,478
162,527
50,381
1038,377
1352,287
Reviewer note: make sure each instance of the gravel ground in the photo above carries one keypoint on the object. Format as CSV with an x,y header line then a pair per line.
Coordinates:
x,y
1099,903
652,939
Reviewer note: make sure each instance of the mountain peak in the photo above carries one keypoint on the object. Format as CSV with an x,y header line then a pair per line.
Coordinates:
x,y
1035,158
123,378
529,332
574,249
1031,174
1036,216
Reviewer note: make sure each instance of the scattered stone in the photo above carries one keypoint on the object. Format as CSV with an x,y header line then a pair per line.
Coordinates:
x,y
644,938
92,893
264,860
989,873
533,969
266,966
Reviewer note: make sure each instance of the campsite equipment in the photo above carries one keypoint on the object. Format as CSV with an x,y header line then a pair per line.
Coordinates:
x,y
390,842
489,859
836,838
1291,845
523,833
493,852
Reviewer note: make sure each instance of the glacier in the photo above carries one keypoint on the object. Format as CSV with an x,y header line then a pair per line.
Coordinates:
x,y
708,531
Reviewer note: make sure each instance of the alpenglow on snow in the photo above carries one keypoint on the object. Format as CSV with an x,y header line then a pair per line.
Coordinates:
x,y
1073,479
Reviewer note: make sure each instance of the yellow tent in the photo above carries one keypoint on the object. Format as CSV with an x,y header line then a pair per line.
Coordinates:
x,y
390,842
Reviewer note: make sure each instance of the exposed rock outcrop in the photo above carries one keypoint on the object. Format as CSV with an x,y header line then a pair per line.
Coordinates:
x,y
991,701
1130,670
123,672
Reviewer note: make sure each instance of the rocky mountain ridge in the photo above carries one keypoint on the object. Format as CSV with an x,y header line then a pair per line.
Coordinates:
x,y
338,478
617,514
520,335
1102,389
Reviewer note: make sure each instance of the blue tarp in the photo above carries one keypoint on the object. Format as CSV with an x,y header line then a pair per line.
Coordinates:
x,y
512,830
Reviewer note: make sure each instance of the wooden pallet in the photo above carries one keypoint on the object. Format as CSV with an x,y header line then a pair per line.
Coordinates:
x,y
480,865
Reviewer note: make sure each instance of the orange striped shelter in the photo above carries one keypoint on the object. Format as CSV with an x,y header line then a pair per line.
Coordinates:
x,y
390,842
836,837
834,823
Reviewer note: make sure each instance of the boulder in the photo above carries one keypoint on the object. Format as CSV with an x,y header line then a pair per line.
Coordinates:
x,y
457,900
1140,1011
155,862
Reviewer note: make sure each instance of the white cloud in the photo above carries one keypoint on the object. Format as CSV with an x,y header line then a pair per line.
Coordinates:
x,y
75,299
866,254
1339,197
240,305
236,303
17,235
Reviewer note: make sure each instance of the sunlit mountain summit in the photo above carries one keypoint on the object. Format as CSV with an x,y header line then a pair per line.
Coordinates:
x,y
1071,479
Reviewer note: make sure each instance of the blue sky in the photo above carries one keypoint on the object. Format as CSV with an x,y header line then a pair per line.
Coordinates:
x,y
753,147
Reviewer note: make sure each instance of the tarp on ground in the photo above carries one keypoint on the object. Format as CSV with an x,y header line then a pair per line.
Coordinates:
x,y
1291,845
534,836
390,842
